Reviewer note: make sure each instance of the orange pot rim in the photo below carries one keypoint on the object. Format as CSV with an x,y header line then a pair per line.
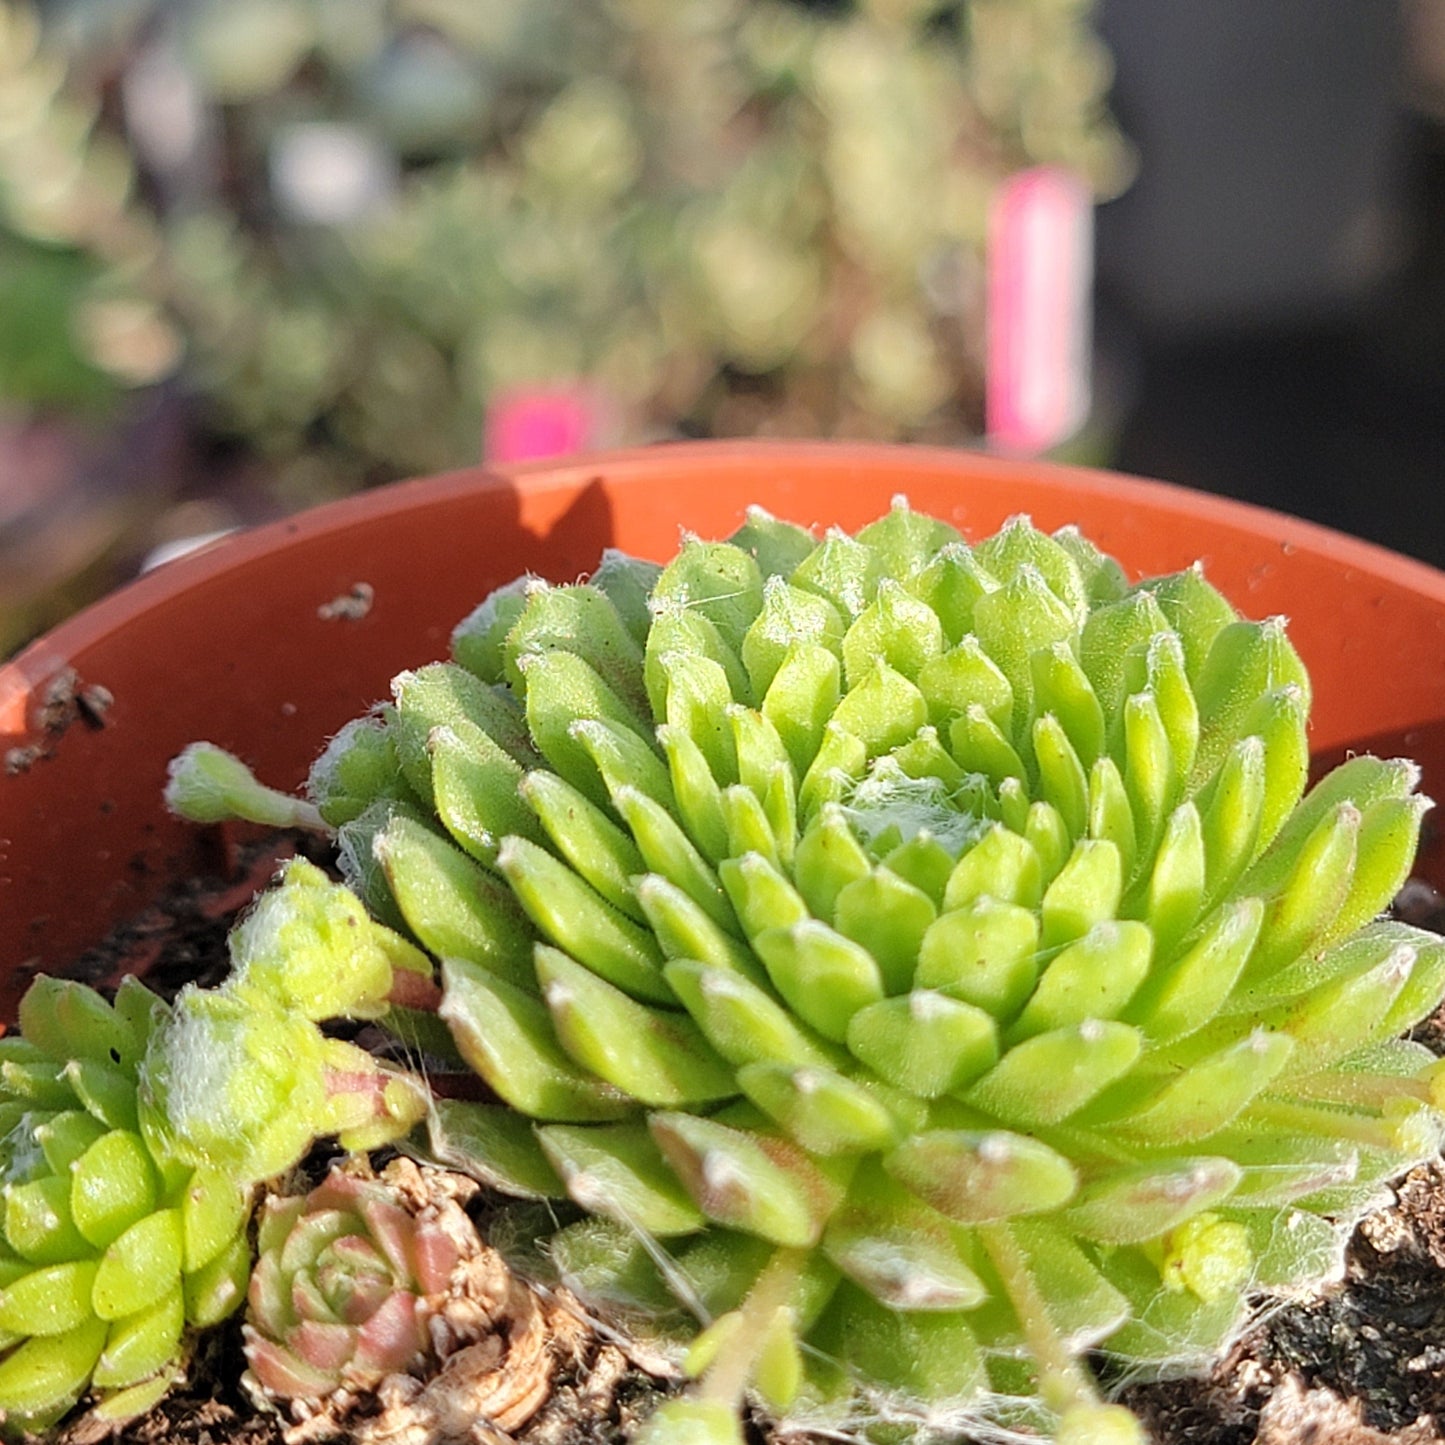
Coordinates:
x,y
237,550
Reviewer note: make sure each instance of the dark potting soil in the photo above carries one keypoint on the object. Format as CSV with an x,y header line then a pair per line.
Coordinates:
x,y
1358,1362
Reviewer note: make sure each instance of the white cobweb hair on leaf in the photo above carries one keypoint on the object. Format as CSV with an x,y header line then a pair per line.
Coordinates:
x,y
889,804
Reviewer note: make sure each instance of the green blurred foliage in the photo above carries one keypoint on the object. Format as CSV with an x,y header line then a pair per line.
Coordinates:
x,y
40,360
720,217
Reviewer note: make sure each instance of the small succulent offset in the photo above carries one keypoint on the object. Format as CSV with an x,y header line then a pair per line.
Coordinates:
x,y
921,959
244,1079
339,1294
114,1249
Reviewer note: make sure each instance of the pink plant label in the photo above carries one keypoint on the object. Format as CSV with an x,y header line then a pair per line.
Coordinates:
x,y
532,422
1040,273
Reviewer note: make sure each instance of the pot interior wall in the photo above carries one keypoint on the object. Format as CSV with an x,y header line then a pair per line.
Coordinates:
x,y
267,643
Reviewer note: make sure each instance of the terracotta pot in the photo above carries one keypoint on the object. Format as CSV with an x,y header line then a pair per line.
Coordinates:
x,y
241,644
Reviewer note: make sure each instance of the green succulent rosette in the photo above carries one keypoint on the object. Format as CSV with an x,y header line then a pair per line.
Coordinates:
x,y
132,1135
114,1251
922,959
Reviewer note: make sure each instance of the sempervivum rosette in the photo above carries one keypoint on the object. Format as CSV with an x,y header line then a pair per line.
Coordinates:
x,y
344,1282
114,1251
377,1315
133,1132
927,944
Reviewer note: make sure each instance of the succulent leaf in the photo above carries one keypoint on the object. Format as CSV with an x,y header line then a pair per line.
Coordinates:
x,y
207,784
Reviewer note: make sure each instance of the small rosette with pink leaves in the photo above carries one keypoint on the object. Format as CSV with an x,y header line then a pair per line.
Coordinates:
x,y
339,1294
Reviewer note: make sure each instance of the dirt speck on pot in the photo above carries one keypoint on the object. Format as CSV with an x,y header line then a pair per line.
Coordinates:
x,y
349,606
59,705
21,759
67,700
94,703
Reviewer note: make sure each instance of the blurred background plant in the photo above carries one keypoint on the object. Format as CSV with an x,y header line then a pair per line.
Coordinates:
x,y
288,248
